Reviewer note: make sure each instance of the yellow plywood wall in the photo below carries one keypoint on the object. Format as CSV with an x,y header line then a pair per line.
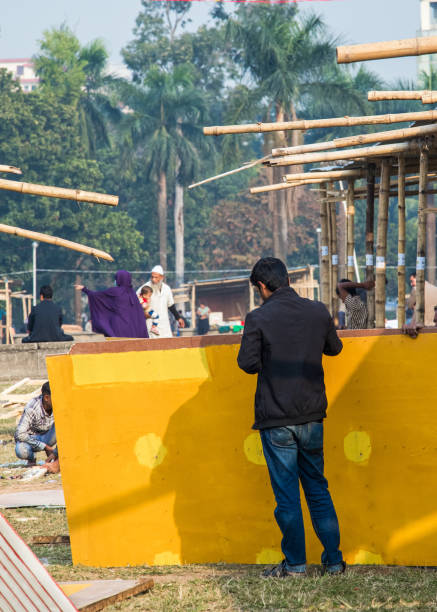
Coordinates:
x,y
160,465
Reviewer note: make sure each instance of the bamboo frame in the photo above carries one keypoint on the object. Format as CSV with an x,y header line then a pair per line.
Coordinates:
x,y
364,152
377,96
309,124
59,192
421,238
381,245
11,169
350,224
351,141
74,246
401,242
391,48
370,222
324,248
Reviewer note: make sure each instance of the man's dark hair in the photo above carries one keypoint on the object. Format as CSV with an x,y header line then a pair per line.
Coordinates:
x,y
46,291
270,271
45,389
350,290
413,274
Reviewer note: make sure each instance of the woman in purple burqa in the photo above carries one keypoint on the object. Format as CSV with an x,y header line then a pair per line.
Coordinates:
x,y
116,312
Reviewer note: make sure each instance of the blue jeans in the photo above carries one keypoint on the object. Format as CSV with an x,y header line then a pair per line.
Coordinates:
x,y
295,453
23,450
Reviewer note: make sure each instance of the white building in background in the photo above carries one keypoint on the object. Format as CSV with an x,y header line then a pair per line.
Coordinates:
x,y
23,71
428,25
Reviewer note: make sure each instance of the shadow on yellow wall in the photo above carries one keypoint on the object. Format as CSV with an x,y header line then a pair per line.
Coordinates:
x,y
160,466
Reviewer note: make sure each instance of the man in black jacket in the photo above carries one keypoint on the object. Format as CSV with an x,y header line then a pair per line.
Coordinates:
x,y
45,320
283,343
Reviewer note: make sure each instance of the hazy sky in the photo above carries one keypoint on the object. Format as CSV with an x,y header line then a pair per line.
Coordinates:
x,y
23,21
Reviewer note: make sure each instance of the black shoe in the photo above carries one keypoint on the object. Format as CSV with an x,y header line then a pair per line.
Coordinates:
x,y
335,572
281,571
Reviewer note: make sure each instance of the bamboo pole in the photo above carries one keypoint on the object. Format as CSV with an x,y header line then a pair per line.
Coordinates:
x,y
376,96
421,238
245,166
390,48
329,174
324,250
351,141
309,124
381,245
332,208
430,97
8,313
11,169
350,230
59,192
280,186
401,242
364,152
370,222
74,246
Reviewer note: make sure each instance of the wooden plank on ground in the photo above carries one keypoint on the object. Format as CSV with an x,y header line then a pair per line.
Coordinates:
x,y
94,595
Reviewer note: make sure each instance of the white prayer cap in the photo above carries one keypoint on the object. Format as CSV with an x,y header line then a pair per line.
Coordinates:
x,y
159,270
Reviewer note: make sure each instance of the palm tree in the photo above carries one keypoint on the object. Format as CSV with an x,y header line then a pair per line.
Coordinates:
x,y
166,109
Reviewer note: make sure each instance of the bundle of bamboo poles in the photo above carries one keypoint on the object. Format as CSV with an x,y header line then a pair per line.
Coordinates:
x,y
59,192
74,246
382,50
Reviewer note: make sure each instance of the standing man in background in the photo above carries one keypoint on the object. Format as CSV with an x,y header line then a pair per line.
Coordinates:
x,y
162,302
283,342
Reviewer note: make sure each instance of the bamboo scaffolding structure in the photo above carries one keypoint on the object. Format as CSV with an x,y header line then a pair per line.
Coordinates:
x,y
350,224
377,96
351,141
381,245
364,152
74,246
245,166
11,169
421,239
370,238
59,192
391,48
309,124
334,256
401,242
324,248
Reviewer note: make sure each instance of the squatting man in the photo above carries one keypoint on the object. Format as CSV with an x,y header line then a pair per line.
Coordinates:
x,y
35,431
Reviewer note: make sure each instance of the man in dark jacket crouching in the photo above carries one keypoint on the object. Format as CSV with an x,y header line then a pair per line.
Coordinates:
x,y
283,343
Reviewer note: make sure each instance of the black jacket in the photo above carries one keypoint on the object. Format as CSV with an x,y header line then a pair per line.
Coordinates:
x,y
283,342
45,322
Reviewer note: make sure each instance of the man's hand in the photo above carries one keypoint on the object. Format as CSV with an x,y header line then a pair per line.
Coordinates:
x,y
79,287
368,285
412,329
181,322
49,450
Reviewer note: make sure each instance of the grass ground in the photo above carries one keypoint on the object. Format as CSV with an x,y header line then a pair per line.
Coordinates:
x,y
219,587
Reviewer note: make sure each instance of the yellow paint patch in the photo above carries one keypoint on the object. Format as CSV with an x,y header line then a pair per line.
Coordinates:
x,y
413,532
357,446
365,557
253,449
268,556
141,366
71,589
167,558
150,450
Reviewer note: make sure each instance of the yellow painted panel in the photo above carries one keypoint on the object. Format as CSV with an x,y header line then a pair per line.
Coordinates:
x,y
71,589
160,465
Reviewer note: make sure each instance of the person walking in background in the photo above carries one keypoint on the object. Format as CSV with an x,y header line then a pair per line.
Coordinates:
x,y
116,312
162,302
356,309
203,313
283,343
45,320
410,302
151,316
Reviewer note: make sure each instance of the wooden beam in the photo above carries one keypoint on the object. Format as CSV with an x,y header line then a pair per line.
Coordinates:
x,y
391,48
364,152
421,239
59,192
74,246
370,222
381,246
309,124
351,141
401,242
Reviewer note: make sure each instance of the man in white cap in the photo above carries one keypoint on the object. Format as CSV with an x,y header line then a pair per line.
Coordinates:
x,y
162,302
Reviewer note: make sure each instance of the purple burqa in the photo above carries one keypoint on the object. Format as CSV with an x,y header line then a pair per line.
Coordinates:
x,y
116,312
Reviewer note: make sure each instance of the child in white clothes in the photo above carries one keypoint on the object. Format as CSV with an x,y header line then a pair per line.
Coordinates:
x,y
144,297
